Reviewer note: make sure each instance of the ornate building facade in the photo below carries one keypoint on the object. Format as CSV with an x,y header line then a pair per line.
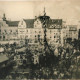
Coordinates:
x,y
32,30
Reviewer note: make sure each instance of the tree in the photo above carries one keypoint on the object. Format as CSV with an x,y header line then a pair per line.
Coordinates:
x,y
76,43
68,40
79,34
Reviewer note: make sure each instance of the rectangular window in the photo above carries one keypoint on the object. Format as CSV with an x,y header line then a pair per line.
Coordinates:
x,y
39,31
54,36
5,30
35,31
10,30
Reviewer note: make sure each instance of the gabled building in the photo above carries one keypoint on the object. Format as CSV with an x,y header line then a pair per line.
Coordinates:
x,y
73,32
32,30
69,32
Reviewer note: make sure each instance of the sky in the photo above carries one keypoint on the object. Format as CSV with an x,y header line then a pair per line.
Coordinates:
x,y
68,10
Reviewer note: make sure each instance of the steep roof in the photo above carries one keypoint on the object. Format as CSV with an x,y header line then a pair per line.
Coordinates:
x,y
56,21
12,23
29,23
51,21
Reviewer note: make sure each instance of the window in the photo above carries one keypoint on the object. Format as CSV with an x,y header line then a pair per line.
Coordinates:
x,y
54,36
10,30
50,31
5,30
22,23
3,37
35,31
39,31
16,31
26,36
56,41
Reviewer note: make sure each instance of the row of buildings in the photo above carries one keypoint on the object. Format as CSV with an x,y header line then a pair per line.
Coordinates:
x,y
32,30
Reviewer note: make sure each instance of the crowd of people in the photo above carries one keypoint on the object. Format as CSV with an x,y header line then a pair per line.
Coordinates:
x,y
63,63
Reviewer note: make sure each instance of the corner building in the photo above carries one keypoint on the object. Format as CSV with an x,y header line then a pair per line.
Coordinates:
x,y
32,30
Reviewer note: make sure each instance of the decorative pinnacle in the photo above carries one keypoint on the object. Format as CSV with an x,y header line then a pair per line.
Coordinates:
x,y
4,17
44,12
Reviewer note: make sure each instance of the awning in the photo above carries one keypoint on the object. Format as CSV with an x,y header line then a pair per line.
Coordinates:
x,y
21,49
11,42
1,49
3,58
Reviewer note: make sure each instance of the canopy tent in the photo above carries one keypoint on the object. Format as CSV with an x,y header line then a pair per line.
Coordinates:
x,y
1,49
3,58
9,49
11,42
21,49
56,52
4,42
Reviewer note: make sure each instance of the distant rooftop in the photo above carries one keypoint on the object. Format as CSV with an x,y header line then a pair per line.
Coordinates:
x,y
13,23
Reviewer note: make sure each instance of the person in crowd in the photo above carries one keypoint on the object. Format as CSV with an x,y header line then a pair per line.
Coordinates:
x,y
36,58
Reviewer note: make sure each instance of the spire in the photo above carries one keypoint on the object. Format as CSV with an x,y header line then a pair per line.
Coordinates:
x,y
44,12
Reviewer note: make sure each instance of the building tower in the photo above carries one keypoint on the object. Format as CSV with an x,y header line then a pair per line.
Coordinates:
x,y
4,17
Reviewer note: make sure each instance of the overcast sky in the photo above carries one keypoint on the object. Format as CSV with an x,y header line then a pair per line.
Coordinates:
x,y
68,10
